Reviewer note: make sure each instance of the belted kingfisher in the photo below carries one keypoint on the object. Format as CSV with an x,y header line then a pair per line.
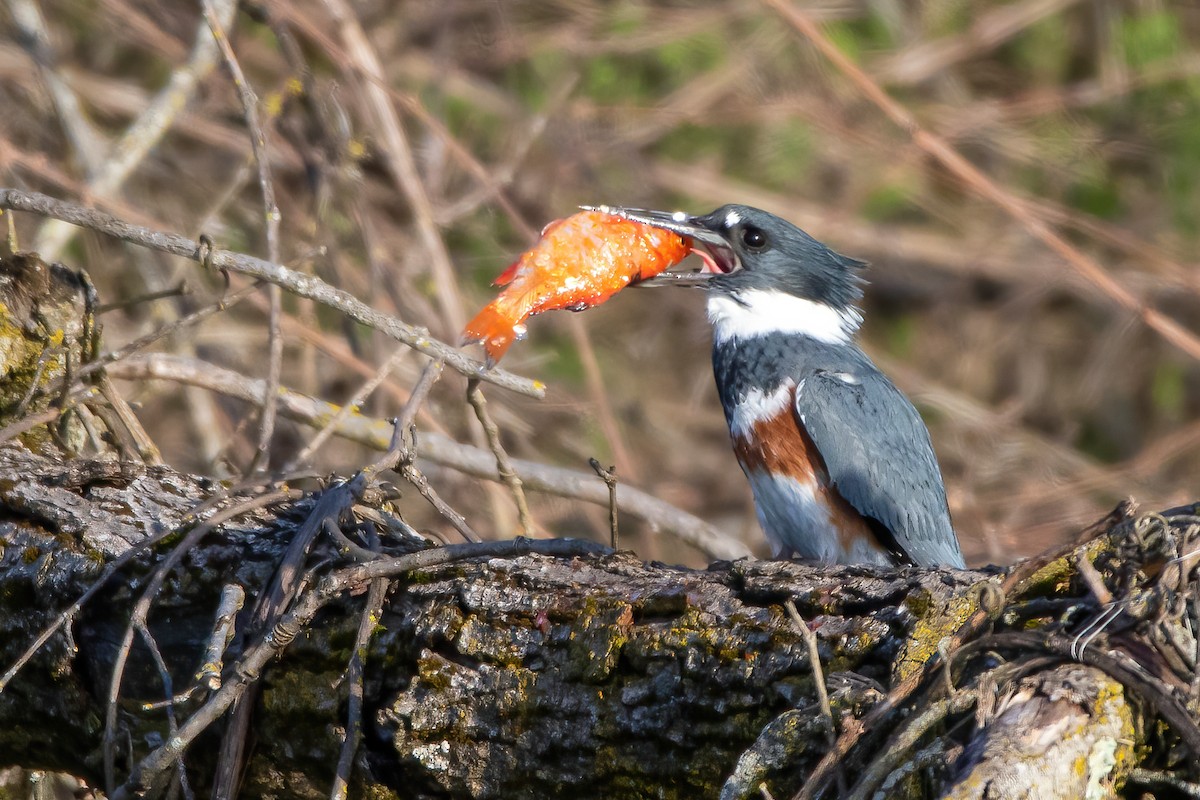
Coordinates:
x,y
839,461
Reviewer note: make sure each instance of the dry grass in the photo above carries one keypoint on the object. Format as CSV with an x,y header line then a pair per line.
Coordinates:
x,y
415,148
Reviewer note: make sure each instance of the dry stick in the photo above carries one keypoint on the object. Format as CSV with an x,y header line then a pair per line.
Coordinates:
x,y
147,130
814,658
180,289
141,610
349,407
31,25
404,423
154,765
142,342
609,476
408,469
302,285
401,453
147,450
14,429
898,749
441,450
354,677
504,467
972,177
399,158
164,675
233,597
285,585
258,143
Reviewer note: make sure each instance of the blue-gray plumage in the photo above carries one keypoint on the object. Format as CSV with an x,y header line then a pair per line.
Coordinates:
x,y
839,461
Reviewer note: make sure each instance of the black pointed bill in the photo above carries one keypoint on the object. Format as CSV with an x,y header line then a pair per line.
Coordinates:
x,y
718,256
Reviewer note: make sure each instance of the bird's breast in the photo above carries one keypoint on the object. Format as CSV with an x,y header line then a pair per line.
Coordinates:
x,y
800,510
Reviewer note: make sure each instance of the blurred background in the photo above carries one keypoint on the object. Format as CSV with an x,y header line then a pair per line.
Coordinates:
x,y
416,148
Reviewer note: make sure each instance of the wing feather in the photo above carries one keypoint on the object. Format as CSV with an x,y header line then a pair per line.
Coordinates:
x,y
879,457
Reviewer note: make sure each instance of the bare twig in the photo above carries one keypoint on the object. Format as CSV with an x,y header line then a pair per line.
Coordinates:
x,y
504,467
147,130
84,139
399,158
146,448
609,476
443,450
258,142
299,284
408,469
164,675
354,678
209,674
814,658
974,179
14,429
900,747
398,448
180,289
349,407
332,504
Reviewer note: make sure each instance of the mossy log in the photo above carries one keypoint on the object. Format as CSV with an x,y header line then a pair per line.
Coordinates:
x,y
537,675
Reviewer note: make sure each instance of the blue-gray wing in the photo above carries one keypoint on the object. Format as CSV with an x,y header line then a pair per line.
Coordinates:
x,y
879,457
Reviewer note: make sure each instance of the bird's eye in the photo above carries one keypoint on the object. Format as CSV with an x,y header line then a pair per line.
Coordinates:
x,y
753,238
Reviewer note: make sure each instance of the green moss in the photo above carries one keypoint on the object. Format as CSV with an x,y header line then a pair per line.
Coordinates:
x,y
31,554
1055,578
931,628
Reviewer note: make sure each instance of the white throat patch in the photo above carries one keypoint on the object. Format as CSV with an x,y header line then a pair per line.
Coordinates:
x,y
765,311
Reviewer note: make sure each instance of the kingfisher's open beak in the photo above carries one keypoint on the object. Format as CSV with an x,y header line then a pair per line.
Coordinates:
x,y
718,256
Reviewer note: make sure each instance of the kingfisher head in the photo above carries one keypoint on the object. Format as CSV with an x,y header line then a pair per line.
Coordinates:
x,y
764,275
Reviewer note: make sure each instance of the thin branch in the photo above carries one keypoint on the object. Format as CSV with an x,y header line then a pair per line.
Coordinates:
x,y
354,677
814,657
443,450
900,747
504,467
349,407
399,159
398,449
147,130
609,476
258,143
974,178
208,676
297,283
31,25
141,608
